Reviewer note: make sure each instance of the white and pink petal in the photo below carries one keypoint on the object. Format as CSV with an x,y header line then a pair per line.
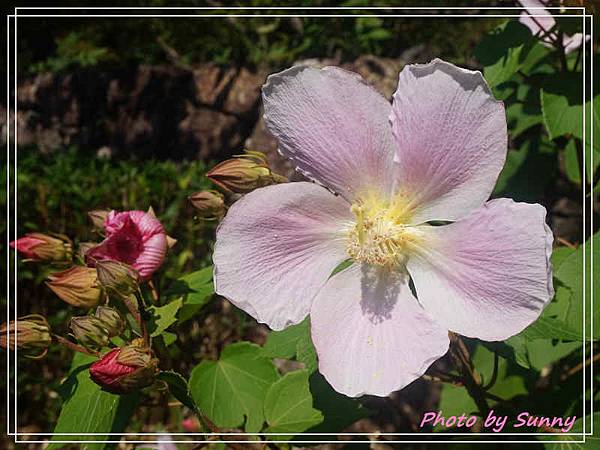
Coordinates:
x,y
489,275
370,333
451,140
276,248
333,126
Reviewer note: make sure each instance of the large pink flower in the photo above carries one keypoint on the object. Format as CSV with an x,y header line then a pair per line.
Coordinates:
x,y
136,238
432,155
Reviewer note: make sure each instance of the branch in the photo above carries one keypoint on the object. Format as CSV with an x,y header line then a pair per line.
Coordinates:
x,y
573,370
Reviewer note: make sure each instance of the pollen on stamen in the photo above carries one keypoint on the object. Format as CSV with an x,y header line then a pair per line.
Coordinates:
x,y
380,235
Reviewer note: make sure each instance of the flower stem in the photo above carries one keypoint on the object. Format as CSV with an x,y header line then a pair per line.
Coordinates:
x,y
207,424
471,379
141,314
154,292
73,346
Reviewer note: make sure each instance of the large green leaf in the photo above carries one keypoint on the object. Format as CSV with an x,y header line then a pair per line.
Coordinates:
x,y
339,411
504,51
293,342
523,108
592,153
507,384
289,406
571,160
570,274
567,442
539,353
178,387
163,316
89,409
234,387
528,171
455,401
563,318
562,104
196,289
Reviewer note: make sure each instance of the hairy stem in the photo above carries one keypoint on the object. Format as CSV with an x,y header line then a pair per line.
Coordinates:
x,y
73,346
471,379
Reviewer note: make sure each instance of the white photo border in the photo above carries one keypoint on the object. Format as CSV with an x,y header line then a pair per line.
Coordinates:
x,y
12,18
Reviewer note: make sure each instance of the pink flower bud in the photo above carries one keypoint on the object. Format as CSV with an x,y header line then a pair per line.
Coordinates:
x,y
210,204
136,238
32,333
244,173
78,286
42,247
124,370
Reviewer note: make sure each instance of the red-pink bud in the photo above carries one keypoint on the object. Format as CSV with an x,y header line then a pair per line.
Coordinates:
x,y
41,247
124,370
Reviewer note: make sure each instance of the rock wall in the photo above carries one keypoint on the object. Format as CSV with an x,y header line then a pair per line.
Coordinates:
x,y
208,111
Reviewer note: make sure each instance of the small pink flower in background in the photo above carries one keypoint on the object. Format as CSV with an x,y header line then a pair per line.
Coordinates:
x,y
432,155
136,238
541,25
191,425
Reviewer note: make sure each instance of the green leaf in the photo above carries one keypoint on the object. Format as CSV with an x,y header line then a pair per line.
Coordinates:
x,y
164,316
293,342
563,318
539,353
503,51
169,338
455,401
592,121
339,411
282,344
341,266
89,409
306,354
178,387
234,387
507,385
567,441
197,289
572,162
528,171
562,104
570,275
523,108
289,406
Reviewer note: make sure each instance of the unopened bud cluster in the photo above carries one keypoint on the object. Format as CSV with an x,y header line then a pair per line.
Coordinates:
x,y
134,245
94,332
